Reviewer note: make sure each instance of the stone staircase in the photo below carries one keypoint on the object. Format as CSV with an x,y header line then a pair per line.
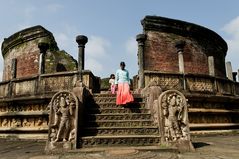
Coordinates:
x,y
107,124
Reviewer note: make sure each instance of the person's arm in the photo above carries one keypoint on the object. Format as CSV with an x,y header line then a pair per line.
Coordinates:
x,y
128,79
116,77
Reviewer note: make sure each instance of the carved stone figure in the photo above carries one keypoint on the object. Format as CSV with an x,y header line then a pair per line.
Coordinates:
x,y
64,112
4,122
31,122
16,122
26,123
53,135
173,120
45,122
174,116
39,122
62,116
172,112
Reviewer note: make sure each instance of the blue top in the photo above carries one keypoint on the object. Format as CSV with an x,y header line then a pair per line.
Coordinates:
x,y
122,76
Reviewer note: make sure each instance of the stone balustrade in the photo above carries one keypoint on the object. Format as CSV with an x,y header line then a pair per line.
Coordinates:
x,y
195,83
45,85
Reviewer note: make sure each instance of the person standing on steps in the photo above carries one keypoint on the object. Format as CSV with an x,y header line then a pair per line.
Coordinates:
x,y
112,83
122,82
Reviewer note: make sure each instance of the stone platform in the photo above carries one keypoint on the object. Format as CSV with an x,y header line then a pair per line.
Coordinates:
x,y
207,147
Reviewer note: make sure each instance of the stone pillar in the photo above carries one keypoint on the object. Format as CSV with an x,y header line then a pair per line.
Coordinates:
x,y
180,46
229,70
211,66
43,48
140,38
234,75
81,40
14,68
238,75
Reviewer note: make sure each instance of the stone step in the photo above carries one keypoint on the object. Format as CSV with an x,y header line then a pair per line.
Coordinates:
x,y
122,116
103,95
149,130
104,99
113,105
135,95
213,126
213,111
120,140
112,99
117,110
119,123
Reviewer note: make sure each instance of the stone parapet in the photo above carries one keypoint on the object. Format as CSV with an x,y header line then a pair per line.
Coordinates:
x,y
195,83
45,85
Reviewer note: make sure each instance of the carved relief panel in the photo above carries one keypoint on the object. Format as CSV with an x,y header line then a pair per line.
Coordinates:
x,y
23,117
62,118
174,123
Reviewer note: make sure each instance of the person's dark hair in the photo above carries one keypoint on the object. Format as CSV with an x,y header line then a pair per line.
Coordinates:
x,y
112,75
122,63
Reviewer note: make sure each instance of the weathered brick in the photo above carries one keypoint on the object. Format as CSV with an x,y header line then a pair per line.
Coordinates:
x,y
160,53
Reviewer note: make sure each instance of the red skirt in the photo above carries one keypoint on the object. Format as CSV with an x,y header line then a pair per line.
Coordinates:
x,y
123,94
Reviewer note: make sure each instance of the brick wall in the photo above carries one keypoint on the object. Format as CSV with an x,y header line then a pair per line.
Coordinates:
x,y
161,54
27,55
23,46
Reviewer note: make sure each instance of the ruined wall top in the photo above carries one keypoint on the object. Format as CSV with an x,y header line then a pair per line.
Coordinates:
x,y
164,39
183,28
21,54
26,35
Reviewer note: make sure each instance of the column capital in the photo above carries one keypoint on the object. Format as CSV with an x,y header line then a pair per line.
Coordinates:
x,y
180,45
140,38
81,40
43,46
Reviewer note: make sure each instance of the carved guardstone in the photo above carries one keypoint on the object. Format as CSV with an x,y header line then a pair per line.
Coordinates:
x,y
62,121
65,118
173,120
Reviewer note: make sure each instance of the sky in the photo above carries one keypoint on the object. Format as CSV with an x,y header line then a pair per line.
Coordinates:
x,y
112,25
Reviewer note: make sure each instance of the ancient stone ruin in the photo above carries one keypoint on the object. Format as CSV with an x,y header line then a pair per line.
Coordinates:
x,y
183,87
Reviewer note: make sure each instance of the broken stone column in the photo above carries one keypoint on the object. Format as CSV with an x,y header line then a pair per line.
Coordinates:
x,y
238,75
229,70
43,48
81,40
211,66
14,68
140,38
180,46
